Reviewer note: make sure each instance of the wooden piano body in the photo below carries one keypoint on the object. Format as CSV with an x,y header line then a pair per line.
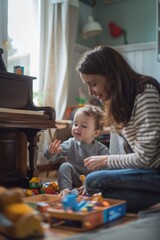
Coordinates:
x,y
20,125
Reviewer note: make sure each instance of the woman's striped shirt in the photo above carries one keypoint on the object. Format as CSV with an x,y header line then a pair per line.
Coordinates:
x,y
142,133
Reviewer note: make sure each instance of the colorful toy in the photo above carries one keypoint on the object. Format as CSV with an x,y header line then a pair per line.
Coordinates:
x,y
35,182
98,200
70,202
84,214
50,188
38,187
17,219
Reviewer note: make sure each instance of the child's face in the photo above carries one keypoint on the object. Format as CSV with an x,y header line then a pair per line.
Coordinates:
x,y
83,128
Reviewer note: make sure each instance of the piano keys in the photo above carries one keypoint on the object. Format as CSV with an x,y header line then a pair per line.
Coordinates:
x,y
21,123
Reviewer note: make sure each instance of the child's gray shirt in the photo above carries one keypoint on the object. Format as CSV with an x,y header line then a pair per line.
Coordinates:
x,y
75,152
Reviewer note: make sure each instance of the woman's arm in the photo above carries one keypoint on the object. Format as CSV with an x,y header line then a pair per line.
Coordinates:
x,y
142,132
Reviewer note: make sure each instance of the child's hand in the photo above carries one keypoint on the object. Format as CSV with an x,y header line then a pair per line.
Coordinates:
x,y
82,191
64,192
55,147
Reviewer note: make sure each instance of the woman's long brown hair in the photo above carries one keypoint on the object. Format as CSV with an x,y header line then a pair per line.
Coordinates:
x,y
121,78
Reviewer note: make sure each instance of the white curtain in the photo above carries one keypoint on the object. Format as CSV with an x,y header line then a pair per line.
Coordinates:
x,y
62,31
58,44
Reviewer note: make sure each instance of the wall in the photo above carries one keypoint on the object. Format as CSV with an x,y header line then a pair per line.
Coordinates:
x,y
137,17
84,11
142,57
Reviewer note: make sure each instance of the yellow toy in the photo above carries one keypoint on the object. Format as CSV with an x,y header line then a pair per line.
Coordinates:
x,y
35,182
17,219
82,178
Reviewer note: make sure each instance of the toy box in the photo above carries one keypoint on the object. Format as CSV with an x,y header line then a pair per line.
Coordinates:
x,y
85,220
60,217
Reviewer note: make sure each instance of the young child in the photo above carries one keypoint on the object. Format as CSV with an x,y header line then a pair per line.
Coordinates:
x,y
87,125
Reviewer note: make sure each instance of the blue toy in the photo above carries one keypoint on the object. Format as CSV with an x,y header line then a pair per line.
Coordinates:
x,y
70,202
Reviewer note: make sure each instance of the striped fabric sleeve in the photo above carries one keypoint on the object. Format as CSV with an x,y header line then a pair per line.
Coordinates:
x,y
142,132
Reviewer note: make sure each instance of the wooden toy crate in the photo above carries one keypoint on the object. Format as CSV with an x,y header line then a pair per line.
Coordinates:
x,y
48,198
83,221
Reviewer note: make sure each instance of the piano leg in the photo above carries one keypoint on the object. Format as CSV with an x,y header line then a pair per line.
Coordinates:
x,y
33,139
13,158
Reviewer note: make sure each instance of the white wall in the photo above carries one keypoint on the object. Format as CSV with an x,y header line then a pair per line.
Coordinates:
x,y
143,58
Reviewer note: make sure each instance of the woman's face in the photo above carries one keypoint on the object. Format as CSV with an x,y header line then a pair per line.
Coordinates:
x,y
97,86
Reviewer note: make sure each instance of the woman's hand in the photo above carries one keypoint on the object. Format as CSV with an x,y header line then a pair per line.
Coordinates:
x,y
95,162
55,147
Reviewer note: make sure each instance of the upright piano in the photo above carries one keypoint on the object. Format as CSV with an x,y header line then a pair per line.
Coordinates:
x,y
21,123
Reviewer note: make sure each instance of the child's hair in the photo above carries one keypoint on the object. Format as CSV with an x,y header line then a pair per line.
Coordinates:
x,y
96,112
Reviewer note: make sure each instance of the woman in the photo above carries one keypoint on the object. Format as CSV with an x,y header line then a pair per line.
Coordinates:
x,y
132,106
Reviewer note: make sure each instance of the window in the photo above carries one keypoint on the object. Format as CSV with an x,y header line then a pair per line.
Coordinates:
x,y
23,36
